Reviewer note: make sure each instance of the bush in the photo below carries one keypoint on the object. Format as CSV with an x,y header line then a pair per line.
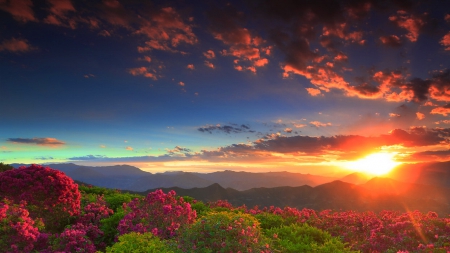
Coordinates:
x,y
269,220
139,243
5,167
304,238
109,226
18,232
159,213
223,232
49,194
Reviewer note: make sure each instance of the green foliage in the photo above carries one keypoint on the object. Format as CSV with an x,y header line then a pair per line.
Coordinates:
x,y
5,167
139,243
223,232
304,238
109,226
200,208
269,220
114,198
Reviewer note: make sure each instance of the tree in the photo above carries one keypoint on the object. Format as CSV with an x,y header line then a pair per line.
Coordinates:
x,y
5,167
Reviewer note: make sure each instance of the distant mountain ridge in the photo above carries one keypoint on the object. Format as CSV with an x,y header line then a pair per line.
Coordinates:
x,y
336,195
131,178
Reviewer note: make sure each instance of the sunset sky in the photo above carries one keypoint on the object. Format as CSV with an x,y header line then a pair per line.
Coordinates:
x,y
301,86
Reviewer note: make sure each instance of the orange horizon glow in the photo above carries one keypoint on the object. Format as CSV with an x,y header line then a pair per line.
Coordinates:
x,y
376,164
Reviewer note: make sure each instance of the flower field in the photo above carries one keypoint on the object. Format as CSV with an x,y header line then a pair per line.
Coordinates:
x,y
43,210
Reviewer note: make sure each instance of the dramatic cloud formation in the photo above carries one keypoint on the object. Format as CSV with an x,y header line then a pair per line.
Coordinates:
x,y
39,141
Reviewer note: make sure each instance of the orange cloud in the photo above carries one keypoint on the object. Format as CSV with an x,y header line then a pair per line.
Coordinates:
x,y
443,110
15,45
165,30
411,23
209,64
319,124
313,92
391,40
420,116
144,71
21,10
181,83
394,115
190,66
446,41
209,54
129,148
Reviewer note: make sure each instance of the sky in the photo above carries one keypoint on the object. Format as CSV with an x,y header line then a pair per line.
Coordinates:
x,y
300,86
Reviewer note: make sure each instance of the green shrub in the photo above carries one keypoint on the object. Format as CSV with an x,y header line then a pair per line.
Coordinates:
x,y
223,232
139,243
200,208
304,238
109,226
269,220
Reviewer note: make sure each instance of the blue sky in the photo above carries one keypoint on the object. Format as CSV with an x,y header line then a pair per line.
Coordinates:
x,y
245,85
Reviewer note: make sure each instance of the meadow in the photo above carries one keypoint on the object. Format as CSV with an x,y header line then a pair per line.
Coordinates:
x,y
43,210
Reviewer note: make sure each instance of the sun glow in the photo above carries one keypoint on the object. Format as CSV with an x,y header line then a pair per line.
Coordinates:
x,y
374,164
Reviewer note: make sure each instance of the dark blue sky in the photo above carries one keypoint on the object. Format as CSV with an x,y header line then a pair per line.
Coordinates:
x,y
302,86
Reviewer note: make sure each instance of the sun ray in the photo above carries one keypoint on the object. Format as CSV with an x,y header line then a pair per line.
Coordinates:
x,y
375,164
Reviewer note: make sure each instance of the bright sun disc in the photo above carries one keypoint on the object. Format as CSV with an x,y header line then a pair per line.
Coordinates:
x,y
375,164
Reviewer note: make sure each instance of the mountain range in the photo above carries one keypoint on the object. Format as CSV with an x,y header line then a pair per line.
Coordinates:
x,y
424,187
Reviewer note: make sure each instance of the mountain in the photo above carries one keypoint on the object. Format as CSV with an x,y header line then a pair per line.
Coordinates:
x,y
127,177
246,180
375,195
356,178
434,173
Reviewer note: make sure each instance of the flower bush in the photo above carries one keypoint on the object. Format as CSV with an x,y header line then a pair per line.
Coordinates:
x,y
159,213
139,243
223,232
49,194
18,232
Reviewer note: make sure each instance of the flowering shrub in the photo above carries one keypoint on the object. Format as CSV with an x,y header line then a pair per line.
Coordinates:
x,y
159,213
18,232
304,238
72,239
224,232
49,194
139,243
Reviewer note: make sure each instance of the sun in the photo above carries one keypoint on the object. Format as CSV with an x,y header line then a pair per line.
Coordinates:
x,y
375,164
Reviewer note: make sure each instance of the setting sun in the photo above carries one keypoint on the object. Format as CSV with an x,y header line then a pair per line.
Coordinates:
x,y
375,164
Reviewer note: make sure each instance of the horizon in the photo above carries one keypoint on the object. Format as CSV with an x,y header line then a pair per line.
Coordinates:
x,y
231,85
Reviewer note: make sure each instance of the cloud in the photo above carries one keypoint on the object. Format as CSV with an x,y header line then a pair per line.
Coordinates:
x,y
443,110
115,13
144,71
38,141
15,45
319,124
411,23
21,10
288,130
394,115
209,64
446,41
420,116
209,54
102,146
234,128
129,148
165,30
313,91
391,40
86,158
339,146
190,66
246,48
58,13
178,149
